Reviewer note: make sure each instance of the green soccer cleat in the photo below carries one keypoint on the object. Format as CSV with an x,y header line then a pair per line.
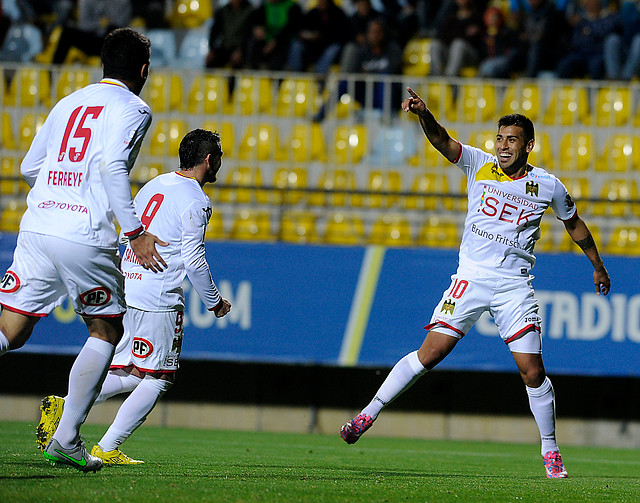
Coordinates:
x,y
51,408
114,457
78,457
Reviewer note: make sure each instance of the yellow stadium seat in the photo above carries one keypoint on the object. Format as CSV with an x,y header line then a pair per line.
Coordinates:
x,y
209,94
343,229
298,98
484,139
346,107
70,81
476,103
613,106
144,171
439,233
9,169
391,230
621,152
163,92
252,96
439,97
580,190
619,196
522,98
350,144
260,143
287,181
227,139
215,228
568,106
542,153
427,190
11,216
624,240
305,143
336,189
166,137
247,181
427,155
27,128
546,243
252,225
577,151
46,56
190,13
7,138
566,244
299,227
416,57
385,186
29,87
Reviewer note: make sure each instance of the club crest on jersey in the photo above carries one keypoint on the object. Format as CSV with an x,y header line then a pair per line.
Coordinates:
x,y
96,297
531,188
141,348
10,282
448,306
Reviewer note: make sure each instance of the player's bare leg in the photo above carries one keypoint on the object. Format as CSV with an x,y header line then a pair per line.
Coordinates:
x,y
15,330
408,370
542,404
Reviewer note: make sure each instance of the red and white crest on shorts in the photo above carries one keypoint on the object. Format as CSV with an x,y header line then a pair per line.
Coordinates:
x,y
10,282
96,297
141,347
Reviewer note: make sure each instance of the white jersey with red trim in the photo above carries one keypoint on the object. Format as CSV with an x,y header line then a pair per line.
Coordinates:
x,y
504,214
175,208
79,162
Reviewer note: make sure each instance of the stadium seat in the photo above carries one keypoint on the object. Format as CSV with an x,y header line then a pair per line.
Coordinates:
x,y
522,98
29,87
416,57
209,94
21,43
568,106
260,143
45,57
344,229
337,186
11,216
215,228
252,96
193,49
298,98
438,95
7,138
345,108
163,47
427,156
350,144
227,138
287,180
579,187
252,225
305,143
247,180
427,191
70,80
299,227
577,151
439,233
190,13
143,171
613,106
384,187
546,243
29,124
391,230
166,137
163,92
621,152
624,240
484,139
476,103
542,154
9,169
620,197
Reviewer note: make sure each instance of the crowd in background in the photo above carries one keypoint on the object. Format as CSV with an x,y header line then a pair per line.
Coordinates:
x,y
597,39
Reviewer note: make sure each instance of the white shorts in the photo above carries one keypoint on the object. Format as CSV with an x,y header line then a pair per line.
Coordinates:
x,y
46,269
151,342
510,301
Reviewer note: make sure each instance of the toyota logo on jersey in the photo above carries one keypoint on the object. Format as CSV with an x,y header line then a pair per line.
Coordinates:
x,y
10,282
96,297
141,347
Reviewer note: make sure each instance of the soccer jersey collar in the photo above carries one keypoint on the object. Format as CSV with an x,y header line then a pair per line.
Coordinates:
x,y
113,82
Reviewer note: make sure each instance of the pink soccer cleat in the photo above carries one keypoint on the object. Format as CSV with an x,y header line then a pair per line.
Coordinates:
x,y
352,430
554,466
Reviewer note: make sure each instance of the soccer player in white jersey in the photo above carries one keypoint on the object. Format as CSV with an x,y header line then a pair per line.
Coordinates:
x,y
78,166
507,198
175,208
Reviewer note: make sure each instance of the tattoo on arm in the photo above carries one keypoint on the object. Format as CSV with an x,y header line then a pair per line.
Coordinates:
x,y
586,243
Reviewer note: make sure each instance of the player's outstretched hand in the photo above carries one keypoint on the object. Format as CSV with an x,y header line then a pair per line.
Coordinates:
x,y
602,281
414,103
144,246
223,307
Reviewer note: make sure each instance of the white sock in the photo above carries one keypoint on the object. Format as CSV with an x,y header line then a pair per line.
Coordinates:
x,y
543,405
133,411
4,343
85,381
402,376
117,381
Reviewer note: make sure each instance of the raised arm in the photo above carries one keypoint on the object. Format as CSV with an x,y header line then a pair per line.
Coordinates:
x,y
434,131
581,235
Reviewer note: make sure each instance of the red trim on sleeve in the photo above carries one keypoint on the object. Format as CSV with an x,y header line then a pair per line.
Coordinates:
x,y
523,332
575,216
24,313
459,154
155,371
102,315
446,325
139,230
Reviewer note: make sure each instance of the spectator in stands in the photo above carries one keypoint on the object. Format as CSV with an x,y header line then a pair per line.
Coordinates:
x,y
622,51
96,18
364,13
5,23
402,19
380,55
151,13
586,53
229,35
458,40
273,25
323,33
500,42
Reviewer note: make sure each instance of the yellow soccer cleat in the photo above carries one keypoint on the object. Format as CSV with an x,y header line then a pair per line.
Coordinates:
x,y
51,408
114,457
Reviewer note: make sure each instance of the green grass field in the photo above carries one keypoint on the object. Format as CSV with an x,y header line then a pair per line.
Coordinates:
x,y
195,465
